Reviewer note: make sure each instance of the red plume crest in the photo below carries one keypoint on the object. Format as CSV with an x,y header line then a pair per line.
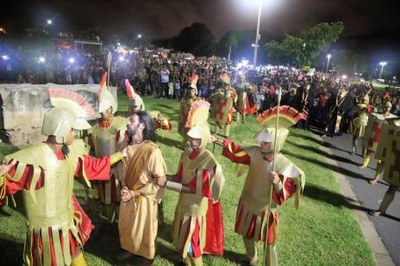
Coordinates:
x,y
288,116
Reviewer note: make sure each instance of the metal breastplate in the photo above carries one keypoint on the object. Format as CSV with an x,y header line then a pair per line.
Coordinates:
x,y
104,142
51,205
194,204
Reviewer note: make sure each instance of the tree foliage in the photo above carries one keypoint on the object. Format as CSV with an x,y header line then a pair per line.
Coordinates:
x,y
228,43
239,44
196,39
304,49
350,61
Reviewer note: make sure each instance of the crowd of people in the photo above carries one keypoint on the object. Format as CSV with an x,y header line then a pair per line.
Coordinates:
x,y
59,227
133,188
161,73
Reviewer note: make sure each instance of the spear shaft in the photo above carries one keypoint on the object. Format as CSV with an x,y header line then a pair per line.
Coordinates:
x,y
272,169
109,58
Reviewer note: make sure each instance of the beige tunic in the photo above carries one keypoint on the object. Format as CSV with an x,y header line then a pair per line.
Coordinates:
x,y
256,200
360,122
105,143
138,218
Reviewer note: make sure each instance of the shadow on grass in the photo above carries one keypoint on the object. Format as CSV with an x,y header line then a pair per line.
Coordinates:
x,y
317,140
333,198
337,200
19,206
167,252
3,212
10,252
233,256
306,137
104,242
334,168
321,152
165,232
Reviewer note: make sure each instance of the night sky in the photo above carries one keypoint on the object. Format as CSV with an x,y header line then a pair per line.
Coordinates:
x,y
363,19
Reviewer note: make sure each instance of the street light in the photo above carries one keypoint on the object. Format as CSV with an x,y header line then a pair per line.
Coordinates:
x,y
257,33
382,65
328,57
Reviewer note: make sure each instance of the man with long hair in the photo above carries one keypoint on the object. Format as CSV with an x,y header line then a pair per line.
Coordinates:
x,y
138,217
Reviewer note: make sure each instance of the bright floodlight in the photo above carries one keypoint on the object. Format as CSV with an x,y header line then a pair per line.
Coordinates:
x,y
41,59
139,36
382,64
268,5
71,60
121,58
49,22
328,57
257,33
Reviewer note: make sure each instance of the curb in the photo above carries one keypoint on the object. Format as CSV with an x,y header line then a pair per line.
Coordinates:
x,y
379,251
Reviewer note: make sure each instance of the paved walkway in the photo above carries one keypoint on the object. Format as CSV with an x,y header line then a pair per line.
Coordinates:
x,y
382,232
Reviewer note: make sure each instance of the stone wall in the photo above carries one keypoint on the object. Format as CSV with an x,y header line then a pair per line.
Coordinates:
x,y
23,107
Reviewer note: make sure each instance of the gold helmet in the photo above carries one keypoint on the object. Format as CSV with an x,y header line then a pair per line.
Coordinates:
x,y
263,136
286,116
366,99
388,105
193,83
249,87
70,111
106,99
201,131
268,135
59,122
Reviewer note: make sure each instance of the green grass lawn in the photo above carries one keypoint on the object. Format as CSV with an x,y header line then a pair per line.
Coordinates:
x,y
323,231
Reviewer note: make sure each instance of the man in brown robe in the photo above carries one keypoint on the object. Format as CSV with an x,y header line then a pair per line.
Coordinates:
x,y
138,218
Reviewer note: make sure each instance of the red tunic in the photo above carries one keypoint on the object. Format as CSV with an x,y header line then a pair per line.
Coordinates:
x,y
214,237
